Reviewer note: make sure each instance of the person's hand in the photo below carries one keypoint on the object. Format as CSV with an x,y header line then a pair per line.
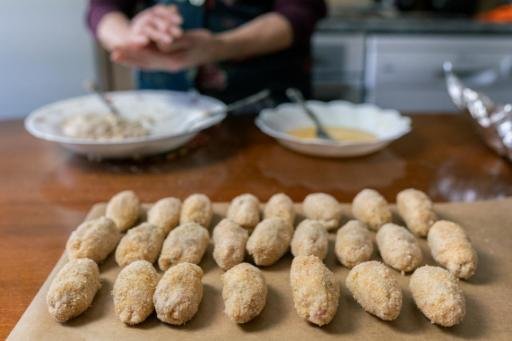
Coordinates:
x,y
194,48
158,24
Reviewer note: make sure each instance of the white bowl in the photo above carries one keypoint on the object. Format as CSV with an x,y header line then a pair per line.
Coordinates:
x,y
177,117
386,125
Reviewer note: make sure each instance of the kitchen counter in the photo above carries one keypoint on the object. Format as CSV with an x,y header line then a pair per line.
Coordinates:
x,y
45,191
410,25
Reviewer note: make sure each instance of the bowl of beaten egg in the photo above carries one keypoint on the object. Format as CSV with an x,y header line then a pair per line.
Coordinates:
x,y
357,129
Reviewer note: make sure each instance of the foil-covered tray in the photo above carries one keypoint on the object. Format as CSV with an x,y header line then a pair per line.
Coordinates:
x,y
493,121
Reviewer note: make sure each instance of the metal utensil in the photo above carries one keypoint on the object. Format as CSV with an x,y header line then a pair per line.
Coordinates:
x,y
92,87
296,96
207,116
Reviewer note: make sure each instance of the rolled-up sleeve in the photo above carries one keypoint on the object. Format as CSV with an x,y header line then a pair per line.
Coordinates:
x,y
99,8
303,16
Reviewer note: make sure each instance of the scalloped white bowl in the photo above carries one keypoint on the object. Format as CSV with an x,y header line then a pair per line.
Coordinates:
x,y
386,125
178,117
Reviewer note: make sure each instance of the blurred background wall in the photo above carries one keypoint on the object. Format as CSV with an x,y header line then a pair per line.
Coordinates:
x,y
45,53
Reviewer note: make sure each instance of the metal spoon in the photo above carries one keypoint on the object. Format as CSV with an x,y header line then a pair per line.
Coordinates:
x,y
92,87
240,104
296,96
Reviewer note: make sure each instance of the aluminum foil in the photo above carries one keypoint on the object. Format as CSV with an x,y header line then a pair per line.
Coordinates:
x,y
493,121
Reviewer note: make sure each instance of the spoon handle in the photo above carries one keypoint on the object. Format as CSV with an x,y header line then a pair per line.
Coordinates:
x,y
92,87
296,96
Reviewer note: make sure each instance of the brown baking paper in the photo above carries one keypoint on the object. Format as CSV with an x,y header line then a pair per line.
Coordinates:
x,y
488,298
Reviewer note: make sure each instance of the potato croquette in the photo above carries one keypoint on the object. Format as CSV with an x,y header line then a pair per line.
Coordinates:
x,y
280,206
416,210
371,208
244,292
94,239
374,287
316,292
323,207
398,248
133,292
269,241
186,243
178,294
452,249
165,214
124,210
310,238
198,209
143,242
229,240
354,244
245,211
438,295
73,289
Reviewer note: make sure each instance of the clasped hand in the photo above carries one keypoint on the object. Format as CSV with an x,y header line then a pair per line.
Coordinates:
x,y
156,41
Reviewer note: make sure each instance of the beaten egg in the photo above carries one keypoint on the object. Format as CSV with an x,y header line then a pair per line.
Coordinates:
x,y
337,133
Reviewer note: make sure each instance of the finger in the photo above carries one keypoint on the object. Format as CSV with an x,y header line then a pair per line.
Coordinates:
x,y
176,31
139,24
165,26
138,40
157,36
168,13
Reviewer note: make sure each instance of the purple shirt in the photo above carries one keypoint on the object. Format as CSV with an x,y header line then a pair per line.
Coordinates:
x,y
302,14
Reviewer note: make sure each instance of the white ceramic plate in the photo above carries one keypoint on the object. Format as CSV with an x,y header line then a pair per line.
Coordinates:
x,y
386,125
177,117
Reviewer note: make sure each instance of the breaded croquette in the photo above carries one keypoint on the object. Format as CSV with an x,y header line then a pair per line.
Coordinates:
x,y
371,208
438,295
280,206
133,292
179,293
94,239
310,238
124,210
198,209
354,244
323,207
165,214
375,288
186,243
452,249
398,248
315,290
417,211
143,242
269,241
73,289
245,211
229,240
244,292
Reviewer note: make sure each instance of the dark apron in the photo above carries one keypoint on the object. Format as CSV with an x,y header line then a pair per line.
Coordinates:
x,y
179,81
232,80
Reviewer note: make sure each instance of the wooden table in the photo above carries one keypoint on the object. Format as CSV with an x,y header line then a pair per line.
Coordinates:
x,y
45,191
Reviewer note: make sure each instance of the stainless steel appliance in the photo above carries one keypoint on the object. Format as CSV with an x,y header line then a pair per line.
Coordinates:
x,y
403,71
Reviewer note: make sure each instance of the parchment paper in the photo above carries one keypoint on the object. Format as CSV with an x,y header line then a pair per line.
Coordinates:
x,y
488,295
